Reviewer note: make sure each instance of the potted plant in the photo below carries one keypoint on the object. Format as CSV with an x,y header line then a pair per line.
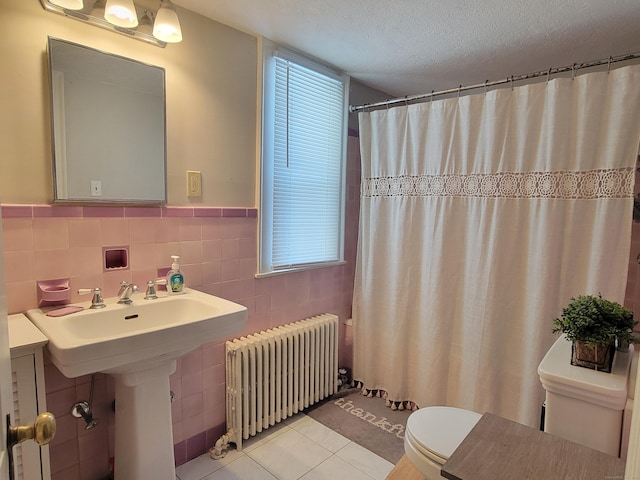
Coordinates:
x,y
594,325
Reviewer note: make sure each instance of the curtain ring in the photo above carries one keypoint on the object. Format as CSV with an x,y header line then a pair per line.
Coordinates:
x,y
573,71
406,101
485,86
432,95
511,80
548,75
609,64
459,88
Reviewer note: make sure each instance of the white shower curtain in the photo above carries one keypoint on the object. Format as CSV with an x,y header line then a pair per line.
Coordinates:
x,y
481,216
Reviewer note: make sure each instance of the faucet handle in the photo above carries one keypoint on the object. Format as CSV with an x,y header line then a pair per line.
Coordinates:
x,y
123,286
151,293
96,301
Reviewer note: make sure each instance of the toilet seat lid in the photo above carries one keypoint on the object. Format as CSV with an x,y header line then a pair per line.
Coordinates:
x,y
441,430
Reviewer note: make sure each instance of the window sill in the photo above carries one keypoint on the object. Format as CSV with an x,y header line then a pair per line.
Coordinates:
x,y
299,269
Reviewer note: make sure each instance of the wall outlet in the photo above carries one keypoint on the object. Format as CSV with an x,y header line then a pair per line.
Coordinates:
x,y
194,183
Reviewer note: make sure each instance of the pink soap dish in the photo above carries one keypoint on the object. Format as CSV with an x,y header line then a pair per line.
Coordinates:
x,y
53,292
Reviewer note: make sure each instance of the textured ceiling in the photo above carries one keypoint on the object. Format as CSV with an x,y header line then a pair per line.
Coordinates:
x,y
405,47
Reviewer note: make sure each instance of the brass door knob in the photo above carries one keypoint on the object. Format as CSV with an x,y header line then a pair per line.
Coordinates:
x,y
41,431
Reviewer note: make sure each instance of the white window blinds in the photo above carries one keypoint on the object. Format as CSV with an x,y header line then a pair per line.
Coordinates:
x,y
307,166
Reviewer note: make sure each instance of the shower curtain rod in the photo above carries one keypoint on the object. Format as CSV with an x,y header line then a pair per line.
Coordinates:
x,y
552,71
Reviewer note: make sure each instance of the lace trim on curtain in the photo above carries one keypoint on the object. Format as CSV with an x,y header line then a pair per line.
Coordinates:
x,y
607,183
392,404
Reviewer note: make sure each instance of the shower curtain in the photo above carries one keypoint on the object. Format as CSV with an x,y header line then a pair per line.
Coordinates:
x,y
481,216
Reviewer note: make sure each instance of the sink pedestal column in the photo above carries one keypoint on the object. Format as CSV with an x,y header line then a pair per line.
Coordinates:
x,y
144,435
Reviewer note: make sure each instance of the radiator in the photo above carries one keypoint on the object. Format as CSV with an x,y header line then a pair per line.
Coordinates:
x,y
277,373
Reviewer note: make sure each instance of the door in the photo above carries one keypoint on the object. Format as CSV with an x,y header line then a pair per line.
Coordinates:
x,y
6,400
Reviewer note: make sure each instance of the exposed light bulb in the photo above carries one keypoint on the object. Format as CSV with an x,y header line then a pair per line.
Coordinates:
x,y
68,4
167,26
121,13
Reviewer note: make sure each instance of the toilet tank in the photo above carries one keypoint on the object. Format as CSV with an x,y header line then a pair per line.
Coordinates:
x,y
584,405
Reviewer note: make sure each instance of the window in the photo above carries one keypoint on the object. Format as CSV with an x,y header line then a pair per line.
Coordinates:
x,y
303,163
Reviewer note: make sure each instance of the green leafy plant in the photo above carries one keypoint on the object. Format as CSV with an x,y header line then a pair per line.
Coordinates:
x,y
595,320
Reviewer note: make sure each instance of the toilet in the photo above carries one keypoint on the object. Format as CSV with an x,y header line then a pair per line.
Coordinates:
x,y
433,433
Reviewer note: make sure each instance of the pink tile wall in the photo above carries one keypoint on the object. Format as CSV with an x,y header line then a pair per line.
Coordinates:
x,y
218,255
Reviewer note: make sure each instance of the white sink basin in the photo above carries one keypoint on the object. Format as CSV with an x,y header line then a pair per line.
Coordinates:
x,y
138,344
125,338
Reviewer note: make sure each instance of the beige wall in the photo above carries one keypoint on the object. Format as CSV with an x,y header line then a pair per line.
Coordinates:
x,y
211,103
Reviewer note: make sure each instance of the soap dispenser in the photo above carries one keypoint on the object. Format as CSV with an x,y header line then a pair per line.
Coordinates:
x,y
175,279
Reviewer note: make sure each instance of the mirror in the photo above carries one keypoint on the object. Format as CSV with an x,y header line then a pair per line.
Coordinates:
x,y
108,127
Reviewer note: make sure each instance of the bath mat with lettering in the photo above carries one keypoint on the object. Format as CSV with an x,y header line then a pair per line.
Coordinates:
x,y
366,421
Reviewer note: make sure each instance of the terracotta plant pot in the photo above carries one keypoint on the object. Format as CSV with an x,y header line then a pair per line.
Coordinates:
x,y
597,358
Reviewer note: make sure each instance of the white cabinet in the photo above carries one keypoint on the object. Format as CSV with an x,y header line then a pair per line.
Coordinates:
x,y
27,370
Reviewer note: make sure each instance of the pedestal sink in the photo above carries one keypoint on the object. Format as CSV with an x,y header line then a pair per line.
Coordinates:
x,y
138,344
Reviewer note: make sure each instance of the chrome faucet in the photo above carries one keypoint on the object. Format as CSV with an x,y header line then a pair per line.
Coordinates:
x,y
126,290
96,301
151,293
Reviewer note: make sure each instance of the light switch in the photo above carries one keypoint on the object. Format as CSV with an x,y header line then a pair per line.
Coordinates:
x,y
96,188
194,183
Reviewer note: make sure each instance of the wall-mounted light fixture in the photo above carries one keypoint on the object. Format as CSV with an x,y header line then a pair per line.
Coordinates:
x,y
167,27
121,13
124,17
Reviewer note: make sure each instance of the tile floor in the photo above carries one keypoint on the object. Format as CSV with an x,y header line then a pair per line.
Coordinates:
x,y
298,448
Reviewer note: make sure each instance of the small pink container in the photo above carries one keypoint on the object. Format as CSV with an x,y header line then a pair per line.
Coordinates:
x,y
53,292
